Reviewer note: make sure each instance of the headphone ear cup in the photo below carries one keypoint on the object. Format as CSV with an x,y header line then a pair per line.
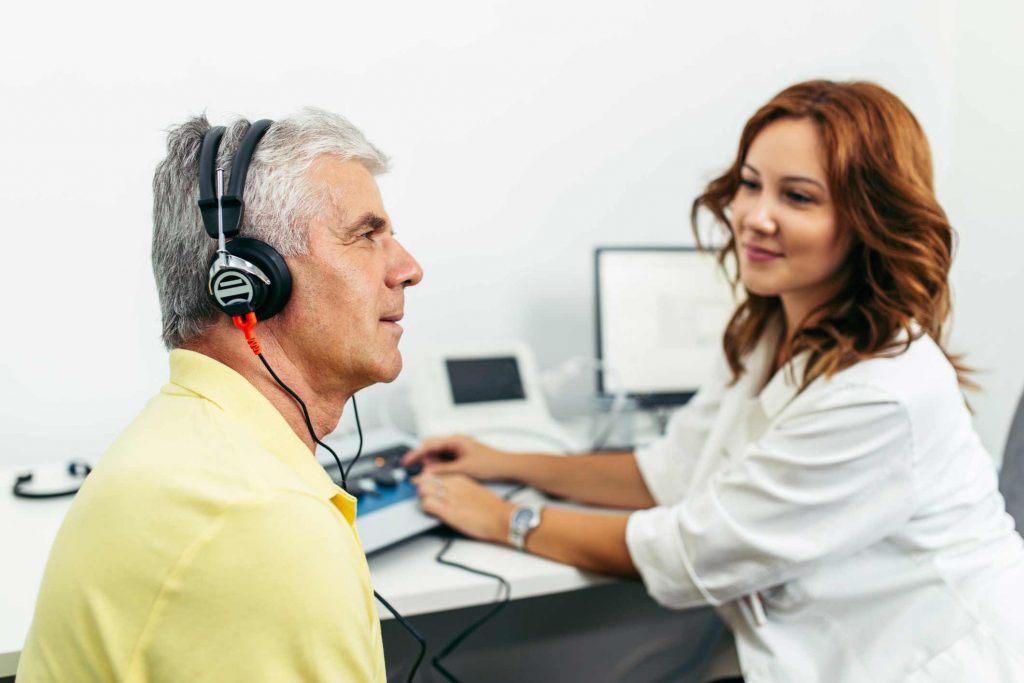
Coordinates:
x,y
266,258
79,469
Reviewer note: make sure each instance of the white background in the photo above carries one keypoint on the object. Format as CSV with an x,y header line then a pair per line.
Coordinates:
x,y
523,134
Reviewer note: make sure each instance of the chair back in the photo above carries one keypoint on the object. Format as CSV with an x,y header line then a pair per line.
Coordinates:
x,y
1011,476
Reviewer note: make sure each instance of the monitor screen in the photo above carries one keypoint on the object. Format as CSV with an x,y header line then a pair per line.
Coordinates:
x,y
478,380
661,313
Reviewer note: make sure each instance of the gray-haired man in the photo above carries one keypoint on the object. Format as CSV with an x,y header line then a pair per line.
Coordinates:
x,y
208,544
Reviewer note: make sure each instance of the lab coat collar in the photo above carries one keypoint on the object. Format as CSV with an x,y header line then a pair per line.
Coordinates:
x,y
774,393
783,387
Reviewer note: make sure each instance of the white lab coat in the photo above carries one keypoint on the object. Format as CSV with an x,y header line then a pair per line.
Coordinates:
x,y
862,513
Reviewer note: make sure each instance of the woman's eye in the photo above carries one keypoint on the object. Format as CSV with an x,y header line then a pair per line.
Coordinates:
x,y
749,184
800,197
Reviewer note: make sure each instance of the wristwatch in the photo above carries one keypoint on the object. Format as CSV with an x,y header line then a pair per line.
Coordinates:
x,y
521,522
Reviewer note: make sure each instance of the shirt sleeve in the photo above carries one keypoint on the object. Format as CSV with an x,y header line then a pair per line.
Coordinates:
x,y
667,463
833,475
278,590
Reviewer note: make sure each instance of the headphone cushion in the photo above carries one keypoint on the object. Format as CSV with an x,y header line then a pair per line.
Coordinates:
x,y
267,259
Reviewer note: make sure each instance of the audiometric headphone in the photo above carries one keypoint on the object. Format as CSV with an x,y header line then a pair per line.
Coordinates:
x,y
246,275
250,281
75,469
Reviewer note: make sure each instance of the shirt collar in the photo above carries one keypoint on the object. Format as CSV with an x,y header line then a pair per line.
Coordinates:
x,y
232,393
783,386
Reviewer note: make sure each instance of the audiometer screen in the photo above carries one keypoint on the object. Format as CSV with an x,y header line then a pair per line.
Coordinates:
x,y
479,380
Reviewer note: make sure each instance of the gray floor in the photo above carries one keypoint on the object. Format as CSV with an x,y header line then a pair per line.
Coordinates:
x,y
608,634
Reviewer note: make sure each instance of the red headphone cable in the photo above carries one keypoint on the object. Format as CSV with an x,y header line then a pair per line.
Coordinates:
x,y
246,325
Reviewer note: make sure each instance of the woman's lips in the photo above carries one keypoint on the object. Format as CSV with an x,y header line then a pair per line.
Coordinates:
x,y
758,254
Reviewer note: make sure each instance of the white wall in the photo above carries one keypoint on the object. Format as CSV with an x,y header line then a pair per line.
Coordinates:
x,y
522,136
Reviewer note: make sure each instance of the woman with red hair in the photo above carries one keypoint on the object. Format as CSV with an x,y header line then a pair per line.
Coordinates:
x,y
826,492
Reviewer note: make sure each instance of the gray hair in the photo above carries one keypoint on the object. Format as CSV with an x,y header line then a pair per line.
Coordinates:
x,y
279,204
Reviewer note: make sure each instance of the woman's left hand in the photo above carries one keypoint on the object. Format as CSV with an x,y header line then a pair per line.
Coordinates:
x,y
465,505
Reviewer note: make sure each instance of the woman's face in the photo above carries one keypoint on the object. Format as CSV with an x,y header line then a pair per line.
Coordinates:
x,y
784,221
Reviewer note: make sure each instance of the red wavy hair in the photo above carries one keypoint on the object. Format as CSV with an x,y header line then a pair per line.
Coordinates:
x,y
879,170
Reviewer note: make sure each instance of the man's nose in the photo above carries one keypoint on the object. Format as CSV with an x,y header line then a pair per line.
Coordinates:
x,y
404,270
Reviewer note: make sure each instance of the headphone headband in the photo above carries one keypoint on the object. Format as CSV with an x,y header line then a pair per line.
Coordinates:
x,y
231,202
208,179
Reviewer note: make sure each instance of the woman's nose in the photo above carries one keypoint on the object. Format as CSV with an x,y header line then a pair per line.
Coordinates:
x,y
762,218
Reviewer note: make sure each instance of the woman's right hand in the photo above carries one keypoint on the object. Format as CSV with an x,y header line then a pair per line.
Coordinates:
x,y
458,453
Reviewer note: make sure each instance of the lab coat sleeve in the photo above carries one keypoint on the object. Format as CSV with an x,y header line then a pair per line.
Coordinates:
x,y
666,464
831,476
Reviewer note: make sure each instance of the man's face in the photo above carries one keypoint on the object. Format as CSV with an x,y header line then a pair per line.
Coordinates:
x,y
341,323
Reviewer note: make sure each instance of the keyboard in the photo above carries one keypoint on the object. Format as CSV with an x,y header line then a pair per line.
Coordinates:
x,y
378,480
388,509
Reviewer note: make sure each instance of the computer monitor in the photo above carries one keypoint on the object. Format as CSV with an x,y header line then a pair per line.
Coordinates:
x,y
661,313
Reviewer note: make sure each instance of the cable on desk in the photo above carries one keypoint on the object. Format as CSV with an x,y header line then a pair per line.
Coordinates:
x,y
465,633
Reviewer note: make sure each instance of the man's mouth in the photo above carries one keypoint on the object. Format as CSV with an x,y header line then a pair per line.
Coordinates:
x,y
391,318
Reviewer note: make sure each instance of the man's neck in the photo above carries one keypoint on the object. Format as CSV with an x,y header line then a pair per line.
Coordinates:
x,y
226,345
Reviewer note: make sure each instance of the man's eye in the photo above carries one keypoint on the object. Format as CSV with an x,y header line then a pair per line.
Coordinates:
x,y
369,234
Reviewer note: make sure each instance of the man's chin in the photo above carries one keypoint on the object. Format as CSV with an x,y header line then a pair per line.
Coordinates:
x,y
389,372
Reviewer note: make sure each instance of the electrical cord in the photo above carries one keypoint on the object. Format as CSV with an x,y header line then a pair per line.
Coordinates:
x,y
246,325
556,379
359,451
309,424
412,631
466,632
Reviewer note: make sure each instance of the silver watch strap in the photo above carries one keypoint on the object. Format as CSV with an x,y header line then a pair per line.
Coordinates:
x,y
519,528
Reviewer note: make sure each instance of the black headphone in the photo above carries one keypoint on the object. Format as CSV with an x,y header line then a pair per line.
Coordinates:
x,y
75,469
246,275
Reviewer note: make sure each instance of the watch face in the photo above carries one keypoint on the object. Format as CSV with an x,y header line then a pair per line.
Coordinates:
x,y
522,517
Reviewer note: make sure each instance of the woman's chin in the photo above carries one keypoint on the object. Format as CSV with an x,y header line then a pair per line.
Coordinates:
x,y
760,288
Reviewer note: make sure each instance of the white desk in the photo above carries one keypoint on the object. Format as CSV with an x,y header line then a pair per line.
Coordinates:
x,y
440,588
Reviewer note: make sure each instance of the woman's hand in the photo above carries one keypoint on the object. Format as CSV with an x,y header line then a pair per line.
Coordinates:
x,y
458,454
465,505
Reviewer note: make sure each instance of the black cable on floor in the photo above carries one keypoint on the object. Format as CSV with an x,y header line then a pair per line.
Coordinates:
x,y
465,633
411,629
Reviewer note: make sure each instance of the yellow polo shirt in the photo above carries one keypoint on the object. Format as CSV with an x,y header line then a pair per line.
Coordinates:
x,y
207,545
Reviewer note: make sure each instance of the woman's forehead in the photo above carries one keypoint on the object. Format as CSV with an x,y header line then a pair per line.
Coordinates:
x,y
788,147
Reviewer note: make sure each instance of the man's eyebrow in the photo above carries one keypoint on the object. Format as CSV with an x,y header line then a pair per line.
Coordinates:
x,y
368,220
789,178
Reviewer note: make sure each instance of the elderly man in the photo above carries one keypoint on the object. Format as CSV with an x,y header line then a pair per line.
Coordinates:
x,y
208,544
